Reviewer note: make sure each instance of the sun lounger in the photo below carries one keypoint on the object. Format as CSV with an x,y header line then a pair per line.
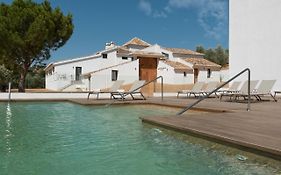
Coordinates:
x,y
243,90
263,89
210,87
196,90
276,92
134,90
234,88
114,88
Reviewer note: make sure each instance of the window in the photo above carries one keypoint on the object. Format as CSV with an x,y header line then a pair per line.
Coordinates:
x,y
124,58
209,73
114,75
184,74
104,55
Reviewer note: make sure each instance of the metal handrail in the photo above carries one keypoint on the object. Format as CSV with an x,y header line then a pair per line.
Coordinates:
x,y
9,91
161,78
206,96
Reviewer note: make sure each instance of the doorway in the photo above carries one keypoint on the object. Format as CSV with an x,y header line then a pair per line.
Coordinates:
x,y
196,72
148,72
78,72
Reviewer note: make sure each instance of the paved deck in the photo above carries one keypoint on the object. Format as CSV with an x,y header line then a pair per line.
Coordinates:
x,y
258,129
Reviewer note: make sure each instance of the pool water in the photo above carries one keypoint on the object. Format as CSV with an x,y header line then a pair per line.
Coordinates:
x,y
65,138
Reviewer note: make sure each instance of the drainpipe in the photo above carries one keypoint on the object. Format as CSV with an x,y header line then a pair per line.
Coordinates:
x,y
89,78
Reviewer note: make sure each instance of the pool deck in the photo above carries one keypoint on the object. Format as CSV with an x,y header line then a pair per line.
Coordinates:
x,y
258,130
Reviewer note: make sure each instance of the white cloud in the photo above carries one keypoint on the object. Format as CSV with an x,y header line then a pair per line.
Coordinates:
x,y
212,14
159,14
145,6
184,3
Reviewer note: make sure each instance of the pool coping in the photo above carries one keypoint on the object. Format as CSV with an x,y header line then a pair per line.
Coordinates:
x,y
245,146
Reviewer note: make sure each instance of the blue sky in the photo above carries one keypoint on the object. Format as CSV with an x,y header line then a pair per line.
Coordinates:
x,y
169,23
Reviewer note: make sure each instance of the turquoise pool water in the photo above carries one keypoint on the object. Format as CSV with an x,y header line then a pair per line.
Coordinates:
x,y
64,138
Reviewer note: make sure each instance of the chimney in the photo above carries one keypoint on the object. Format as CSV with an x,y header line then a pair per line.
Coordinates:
x,y
109,45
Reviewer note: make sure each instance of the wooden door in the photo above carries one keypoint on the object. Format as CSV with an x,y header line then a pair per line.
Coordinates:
x,y
148,72
196,72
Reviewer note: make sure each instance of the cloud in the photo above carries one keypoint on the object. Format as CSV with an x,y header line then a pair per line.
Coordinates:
x,y
212,14
184,3
145,6
159,14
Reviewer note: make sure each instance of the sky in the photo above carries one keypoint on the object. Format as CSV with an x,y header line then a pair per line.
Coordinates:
x,y
169,23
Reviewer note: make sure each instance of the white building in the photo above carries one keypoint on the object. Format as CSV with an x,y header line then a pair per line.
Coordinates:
x,y
255,38
132,61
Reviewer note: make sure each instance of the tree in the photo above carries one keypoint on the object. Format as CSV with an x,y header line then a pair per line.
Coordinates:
x,y
35,77
5,77
29,31
200,49
218,55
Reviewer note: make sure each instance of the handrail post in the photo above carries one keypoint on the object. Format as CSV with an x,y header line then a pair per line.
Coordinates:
x,y
9,91
249,88
161,88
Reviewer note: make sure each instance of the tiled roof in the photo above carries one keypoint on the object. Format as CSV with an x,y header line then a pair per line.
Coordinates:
x,y
202,63
179,67
183,51
140,53
137,41
225,67
123,51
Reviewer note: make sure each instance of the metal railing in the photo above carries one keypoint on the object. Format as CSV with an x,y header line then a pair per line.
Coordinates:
x,y
206,96
9,91
159,77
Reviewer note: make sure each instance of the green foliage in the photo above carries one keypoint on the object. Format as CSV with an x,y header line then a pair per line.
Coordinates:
x,y
5,77
29,32
35,77
217,55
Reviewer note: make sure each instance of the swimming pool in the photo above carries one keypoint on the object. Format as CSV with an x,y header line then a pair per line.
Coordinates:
x,y
65,138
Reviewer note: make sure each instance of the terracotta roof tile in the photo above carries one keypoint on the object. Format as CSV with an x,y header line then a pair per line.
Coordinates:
x,y
183,51
137,41
203,63
140,53
179,67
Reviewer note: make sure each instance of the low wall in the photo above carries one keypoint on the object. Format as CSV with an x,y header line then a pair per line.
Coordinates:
x,y
59,95
43,96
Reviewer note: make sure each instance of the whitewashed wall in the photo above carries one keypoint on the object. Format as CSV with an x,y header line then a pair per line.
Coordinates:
x,y
202,76
255,38
128,72
63,74
224,75
56,81
171,77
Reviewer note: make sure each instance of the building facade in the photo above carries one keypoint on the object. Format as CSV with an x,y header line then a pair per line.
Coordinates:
x,y
134,60
255,38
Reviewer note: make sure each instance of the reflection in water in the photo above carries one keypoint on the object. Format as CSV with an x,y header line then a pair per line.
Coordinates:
x,y
8,130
